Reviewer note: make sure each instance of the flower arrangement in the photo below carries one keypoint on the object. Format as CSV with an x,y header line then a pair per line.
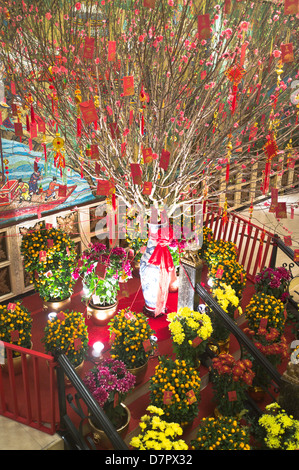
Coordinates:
x,y
229,272
220,250
49,257
157,434
175,388
278,430
109,383
227,299
274,282
15,325
177,250
230,379
101,270
273,346
67,331
223,433
190,331
265,311
131,338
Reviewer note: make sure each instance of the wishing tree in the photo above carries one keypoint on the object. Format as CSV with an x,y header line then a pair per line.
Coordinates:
x,y
151,100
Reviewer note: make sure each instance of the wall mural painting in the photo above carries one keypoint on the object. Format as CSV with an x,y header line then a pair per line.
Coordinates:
x,y
34,187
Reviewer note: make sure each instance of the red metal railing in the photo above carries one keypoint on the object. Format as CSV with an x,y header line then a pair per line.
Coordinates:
x,y
254,243
28,389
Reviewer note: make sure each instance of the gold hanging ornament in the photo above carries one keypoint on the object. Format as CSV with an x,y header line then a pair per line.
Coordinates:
x,y
59,157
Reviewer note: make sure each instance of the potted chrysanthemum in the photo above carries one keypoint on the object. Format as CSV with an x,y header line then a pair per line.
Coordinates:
x,y
102,270
132,341
274,281
229,272
157,434
190,331
220,250
109,383
230,379
265,311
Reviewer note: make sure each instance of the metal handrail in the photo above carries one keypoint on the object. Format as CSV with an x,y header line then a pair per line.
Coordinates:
x,y
98,415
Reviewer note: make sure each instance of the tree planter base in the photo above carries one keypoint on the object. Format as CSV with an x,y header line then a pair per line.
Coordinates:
x,y
101,315
57,306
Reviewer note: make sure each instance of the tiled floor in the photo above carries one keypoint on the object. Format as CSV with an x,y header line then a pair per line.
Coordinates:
x,y
16,436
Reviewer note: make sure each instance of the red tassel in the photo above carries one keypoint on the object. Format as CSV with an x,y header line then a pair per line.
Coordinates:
x,y
79,127
113,202
142,124
81,171
32,114
95,125
267,177
27,123
227,172
45,151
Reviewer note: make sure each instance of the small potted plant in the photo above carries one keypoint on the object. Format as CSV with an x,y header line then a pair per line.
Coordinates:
x,y
229,302
49,257
265,311
274,282
222,433
175,388
158,434
275,348
229,272
132,341
190,331
67,332
230,379
220,250
15,328
277,430
109,383
101,270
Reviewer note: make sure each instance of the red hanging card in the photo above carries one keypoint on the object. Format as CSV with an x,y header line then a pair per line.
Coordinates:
x,y
147,187
147,345
227,6
79,127
105,188
114,130
18,129
41,125
50,242
149,3
196,341
98,168
60,316
288,240
43,256
203,26
101,270
131,117
287,53
94,151
89,112
147,155
191,398
296,255
11,306
33,130
14,335
77,344
128,84
13,88
111,51
88,48
62,190
136,173
263,322
130,316
167,396
219,273
281,210
274,199
232,395
291,7
164,160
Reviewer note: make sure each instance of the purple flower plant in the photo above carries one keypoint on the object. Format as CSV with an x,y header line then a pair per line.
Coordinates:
x,y
274,281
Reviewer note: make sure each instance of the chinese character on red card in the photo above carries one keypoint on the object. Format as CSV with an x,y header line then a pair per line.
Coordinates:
x,y
136,173
281,210
147,187
105,188
287,53
167,397
88,48
232,395
288,240
77,344
111,51
164,160
291,7
191,397
11,307
128,84
219,273
50,242
203,26
196,341
89,112
43,256
130,316
101,270
14,335
62,190
60,316
263,322
147,155
147,345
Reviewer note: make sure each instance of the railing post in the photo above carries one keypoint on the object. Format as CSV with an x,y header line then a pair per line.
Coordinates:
x,y
274,252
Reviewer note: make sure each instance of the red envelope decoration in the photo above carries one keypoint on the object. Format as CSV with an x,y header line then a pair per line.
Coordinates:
x,y
77,344
89,112
128,84
147,155
164,160
105,188
263,322
130,316
281,210
219,273
60,316
288,240
13,88
203,26
232,395
50,242
88,48
94,149
41,126
167,396
291,7
191,397
18,129
287,53
136,173
147,187
101,270
147,345
14,335
111,51
114,130
43,256
11,307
